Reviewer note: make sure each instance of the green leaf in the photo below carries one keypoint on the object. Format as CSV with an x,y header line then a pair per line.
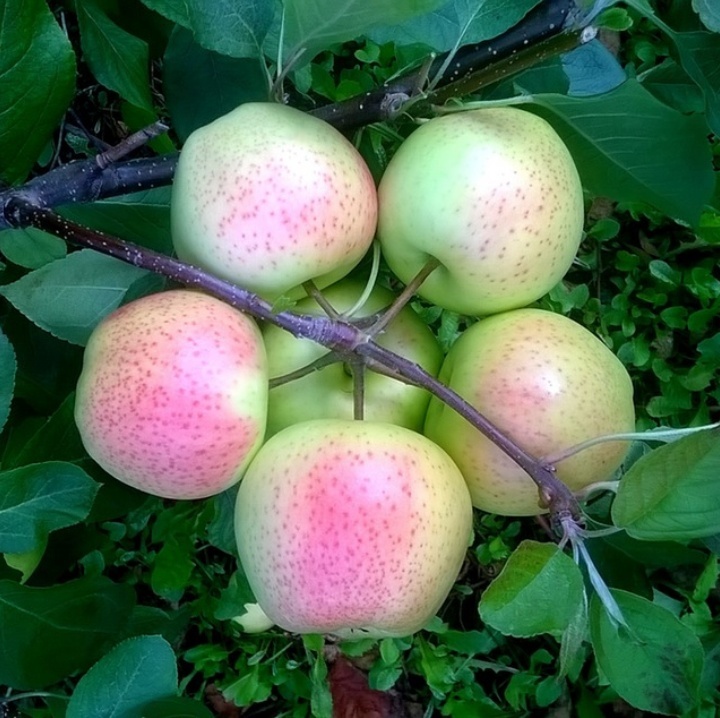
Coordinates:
x,y
709,12
176,708
140,217
31,248
41,498
672,493
70,296
457,22
592,69
173,566
201,85
537,591
671,84
8,368
224,26
46,634
655,665
314,25
119,60
618,143
136,672
55,440
37,82
221,529
234,597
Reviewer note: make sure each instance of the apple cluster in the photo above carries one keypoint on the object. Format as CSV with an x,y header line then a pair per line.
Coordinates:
x,y
344,526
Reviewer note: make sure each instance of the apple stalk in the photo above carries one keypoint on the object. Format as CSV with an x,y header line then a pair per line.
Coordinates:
x,y
348,341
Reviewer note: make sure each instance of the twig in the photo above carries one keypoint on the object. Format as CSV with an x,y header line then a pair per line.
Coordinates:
x,y
130,144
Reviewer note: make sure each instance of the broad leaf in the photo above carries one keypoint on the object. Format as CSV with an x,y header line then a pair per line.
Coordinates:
x,y
227,27
37,81
31,248
200,85
618,142
592,70
38,499
119,60
136,672
709,12
46,634
141,217
57,439
70,296
656,665
314,25
671,84
538,591
8,367
672,494
457,22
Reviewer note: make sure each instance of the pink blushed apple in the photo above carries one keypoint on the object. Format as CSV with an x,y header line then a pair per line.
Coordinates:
x,y
269,197
172,398
352,528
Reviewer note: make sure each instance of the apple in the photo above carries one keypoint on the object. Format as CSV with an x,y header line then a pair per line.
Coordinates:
x,y
494,196
549,384
352,528
270,197
172,398
328,392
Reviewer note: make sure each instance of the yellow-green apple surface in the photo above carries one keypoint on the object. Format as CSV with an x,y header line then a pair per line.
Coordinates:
x,y
269,197
353,528
494,196
328,392
172,398
549,384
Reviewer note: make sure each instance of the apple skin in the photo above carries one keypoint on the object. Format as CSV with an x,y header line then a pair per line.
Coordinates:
x,y
352,528
494,195
328,393
172,398
549,384
269,197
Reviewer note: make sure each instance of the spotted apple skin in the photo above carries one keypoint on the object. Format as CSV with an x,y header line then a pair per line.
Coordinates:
x,y
549,384
352,528
269,197
494,195
172,398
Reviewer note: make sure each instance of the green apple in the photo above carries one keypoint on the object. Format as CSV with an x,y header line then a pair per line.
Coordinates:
x,y
549,384
353,528
328,392
172,398
494,196
270,197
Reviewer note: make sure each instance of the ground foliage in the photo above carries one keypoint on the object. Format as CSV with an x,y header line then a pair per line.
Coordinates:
x,y
117,604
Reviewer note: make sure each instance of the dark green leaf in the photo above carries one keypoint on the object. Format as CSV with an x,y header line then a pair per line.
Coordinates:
x,y
455,23
618,143
141,217
709,12
8,367
175,11
49,633
537,591
136,672
176,708
119,60
41,498
221,529
672,493
234,597
173,566
56,439
655,665
592,69
672,85
37,81
31,248
70,296
316,24
201,85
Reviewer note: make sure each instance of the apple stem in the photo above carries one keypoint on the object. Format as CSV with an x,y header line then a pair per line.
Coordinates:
x,y
404,297
314,293
346,340
320,363
358,372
